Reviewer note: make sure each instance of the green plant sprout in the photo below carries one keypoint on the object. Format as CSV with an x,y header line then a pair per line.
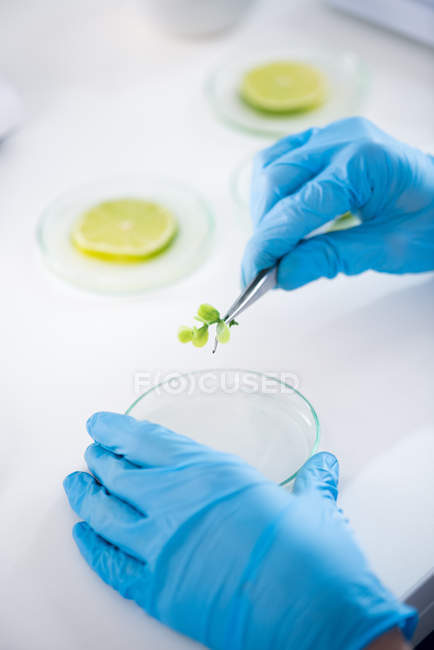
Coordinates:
x,y
207,315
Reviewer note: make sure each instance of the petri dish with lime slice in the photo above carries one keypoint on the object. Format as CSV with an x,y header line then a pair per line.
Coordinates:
x,y
260,418
127,235
281,91
240,181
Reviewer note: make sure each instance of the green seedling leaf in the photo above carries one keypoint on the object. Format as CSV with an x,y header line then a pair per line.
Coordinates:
x,y
185,334
200,336
208,313
223,333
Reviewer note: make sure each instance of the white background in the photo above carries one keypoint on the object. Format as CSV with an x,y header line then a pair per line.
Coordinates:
x,y
106,92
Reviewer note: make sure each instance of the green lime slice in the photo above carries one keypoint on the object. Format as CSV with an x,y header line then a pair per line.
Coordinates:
x,y
124,230
284,87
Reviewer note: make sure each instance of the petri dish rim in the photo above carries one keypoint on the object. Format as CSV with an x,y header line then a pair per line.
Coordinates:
x,y
258,374
76,190
266,129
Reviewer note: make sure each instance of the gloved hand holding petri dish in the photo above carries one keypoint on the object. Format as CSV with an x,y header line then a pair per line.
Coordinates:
x,y
207,545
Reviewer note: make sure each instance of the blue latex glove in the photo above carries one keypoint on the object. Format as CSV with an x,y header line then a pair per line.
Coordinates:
x,y
305,180
204,543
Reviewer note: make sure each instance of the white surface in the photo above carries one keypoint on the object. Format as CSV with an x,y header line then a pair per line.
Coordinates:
x,y
392,485
10,109
106,93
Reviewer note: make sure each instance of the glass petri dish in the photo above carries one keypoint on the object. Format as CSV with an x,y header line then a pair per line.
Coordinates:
x,y
347,83
240,181
188,250
260,418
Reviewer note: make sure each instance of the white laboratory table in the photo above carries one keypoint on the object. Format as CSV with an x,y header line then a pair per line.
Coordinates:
x,y
106,93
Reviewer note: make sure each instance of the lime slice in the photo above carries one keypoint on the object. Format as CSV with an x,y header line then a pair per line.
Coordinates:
x,y
124,230
283,87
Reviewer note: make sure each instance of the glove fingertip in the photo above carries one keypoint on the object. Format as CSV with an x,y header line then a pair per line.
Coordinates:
x,y
69,480
80,531
321,473
331,475
98,418
119,570
74,483
92,451
111,429
258,255
87,541
91,422
329,460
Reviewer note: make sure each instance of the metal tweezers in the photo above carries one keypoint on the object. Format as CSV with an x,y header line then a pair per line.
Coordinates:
x,y
263,282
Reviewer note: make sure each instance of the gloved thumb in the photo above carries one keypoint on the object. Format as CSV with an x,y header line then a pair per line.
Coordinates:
x,y
349,251
321,473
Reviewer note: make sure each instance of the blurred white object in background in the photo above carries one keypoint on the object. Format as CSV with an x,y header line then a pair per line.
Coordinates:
x,y
197,17
414,18
10,109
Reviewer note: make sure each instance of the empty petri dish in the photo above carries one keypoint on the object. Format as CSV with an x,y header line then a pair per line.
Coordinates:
x,y
260,418
240,181
344,74
190,247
